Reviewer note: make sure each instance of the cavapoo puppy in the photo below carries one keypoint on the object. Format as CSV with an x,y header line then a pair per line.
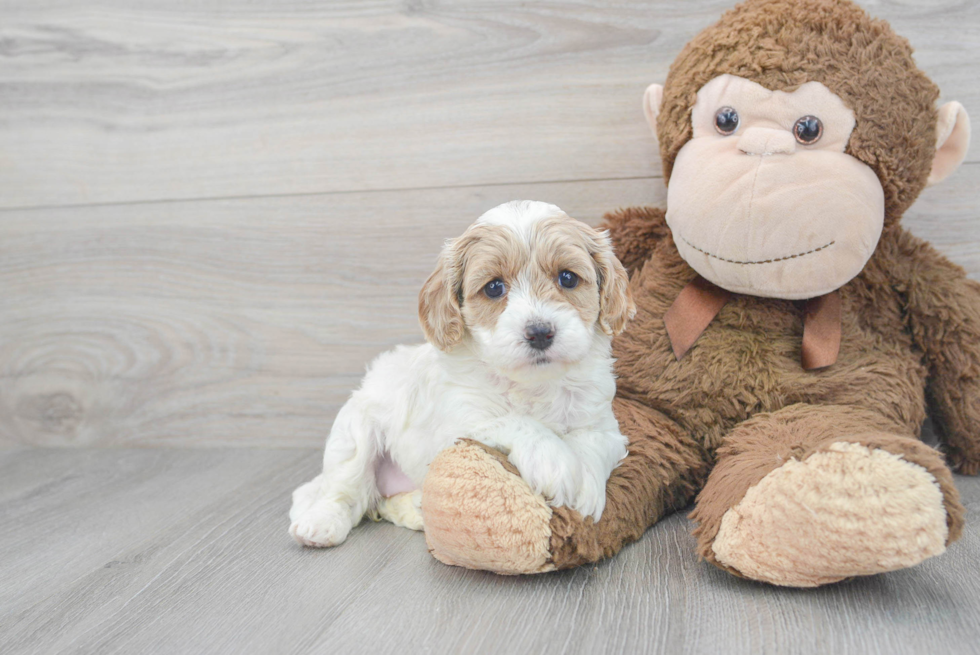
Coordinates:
x,y
519,317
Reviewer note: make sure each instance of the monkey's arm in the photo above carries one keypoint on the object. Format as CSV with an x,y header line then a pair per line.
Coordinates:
x,y
479,513
635,232
944,318
662,472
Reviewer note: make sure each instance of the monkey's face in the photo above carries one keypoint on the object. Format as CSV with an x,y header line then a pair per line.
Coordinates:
x,y
764,201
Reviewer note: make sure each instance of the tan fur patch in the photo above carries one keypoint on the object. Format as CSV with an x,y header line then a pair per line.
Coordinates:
x,y
574,246
563,245
439,315
490,252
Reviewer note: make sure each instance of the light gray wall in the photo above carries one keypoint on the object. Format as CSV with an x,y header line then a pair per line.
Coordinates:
x,y
212,218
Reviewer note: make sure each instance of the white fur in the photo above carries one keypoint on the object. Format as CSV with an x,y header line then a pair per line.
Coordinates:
x,y
519,215
554,418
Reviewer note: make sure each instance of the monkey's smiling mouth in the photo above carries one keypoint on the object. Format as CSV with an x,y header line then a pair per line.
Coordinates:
x,y
761,261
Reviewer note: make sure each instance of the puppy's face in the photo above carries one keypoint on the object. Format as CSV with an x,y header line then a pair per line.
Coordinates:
x,y
529,286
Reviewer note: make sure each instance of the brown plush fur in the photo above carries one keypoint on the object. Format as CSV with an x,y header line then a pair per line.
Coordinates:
x,y
740,404
664,469
747,364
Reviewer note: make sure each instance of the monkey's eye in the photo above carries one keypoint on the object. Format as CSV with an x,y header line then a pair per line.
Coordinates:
x,y
568,279
495,289
726,121
808,130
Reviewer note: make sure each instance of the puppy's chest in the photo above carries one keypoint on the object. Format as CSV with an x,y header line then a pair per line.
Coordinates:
x,y
559,408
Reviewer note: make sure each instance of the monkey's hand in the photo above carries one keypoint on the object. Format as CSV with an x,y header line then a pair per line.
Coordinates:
x,y
944,317
635,232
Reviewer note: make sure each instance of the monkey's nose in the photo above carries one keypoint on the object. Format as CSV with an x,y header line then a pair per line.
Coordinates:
x,y
766,141
539,335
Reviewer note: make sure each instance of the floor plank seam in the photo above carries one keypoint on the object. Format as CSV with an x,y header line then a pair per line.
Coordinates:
x,y
313,194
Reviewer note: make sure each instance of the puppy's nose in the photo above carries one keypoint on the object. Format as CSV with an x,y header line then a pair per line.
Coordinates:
x,y
539,335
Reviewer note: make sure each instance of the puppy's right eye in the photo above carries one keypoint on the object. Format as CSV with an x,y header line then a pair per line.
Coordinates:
x,y
495,289
568,280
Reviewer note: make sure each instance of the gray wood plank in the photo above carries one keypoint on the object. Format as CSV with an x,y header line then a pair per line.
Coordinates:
x,y
250,321
125,101
177,551
222,322
74,510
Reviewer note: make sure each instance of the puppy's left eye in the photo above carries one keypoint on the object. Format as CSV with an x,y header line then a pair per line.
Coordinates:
x,y
567,279
494,289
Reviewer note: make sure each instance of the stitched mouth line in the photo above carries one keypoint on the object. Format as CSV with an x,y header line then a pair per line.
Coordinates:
x,y
765,261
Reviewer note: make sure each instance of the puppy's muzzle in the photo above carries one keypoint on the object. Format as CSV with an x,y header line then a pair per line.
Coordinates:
x,y
539,336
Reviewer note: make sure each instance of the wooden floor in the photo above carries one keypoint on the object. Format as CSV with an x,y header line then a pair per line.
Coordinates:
x,y
186,551
214,214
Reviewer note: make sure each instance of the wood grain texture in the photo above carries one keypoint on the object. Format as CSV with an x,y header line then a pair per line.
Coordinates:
x,y
131,101
246,321
250,321
180,551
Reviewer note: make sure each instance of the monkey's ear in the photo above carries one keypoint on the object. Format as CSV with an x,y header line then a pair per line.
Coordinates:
x,y
651,104
952,141
439,312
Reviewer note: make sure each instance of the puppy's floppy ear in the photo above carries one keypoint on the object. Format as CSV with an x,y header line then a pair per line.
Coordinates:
x,y
439,311
616,306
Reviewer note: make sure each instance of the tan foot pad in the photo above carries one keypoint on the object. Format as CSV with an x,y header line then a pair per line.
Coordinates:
x,y
480,514
843,512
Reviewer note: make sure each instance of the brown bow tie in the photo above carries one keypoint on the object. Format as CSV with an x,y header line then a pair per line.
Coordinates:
x,y
700,301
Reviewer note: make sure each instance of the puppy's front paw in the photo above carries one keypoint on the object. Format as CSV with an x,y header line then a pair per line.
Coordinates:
x,y
591,497
550,468
323,525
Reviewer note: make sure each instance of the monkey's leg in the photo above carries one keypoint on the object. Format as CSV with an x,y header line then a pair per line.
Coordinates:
x,y
480,514
810,495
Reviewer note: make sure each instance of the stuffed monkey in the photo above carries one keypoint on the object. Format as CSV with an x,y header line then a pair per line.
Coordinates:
x,y
790,333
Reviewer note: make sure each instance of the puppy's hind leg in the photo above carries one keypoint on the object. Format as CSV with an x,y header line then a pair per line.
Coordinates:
x,y
404,509
326,508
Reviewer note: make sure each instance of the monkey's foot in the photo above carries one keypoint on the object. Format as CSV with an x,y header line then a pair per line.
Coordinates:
x,y
845,510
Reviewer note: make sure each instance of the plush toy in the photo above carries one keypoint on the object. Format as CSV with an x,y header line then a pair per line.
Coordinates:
x,y
790,333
